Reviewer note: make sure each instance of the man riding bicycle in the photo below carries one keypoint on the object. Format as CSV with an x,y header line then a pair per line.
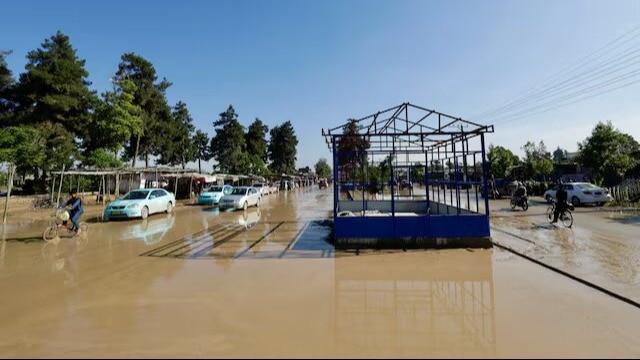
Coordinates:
x,y
561,202
75,211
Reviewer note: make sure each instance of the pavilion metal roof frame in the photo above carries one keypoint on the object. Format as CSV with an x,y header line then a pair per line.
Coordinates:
x,y
409,128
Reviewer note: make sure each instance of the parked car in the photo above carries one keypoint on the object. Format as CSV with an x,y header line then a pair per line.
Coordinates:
x,y
241,198
581,193
212,195
263,188
274,187
141,203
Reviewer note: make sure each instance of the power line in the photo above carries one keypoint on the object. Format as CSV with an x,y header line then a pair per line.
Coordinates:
x,y
544,86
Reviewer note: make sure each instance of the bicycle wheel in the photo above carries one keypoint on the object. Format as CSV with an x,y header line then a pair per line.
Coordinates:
x,y
50,233
550,211
567,219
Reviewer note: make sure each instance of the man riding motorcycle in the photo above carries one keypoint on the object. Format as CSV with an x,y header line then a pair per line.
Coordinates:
x,y
519,195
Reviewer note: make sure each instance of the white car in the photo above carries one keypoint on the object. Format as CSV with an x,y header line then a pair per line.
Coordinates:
x,y
263,188
241,198
581,193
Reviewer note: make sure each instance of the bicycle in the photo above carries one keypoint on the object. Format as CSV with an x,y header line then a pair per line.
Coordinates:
x,y
565,217
51,233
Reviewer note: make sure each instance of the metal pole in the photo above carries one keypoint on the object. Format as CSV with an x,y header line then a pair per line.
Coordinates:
x,y
10,172
484,176
362,180
60,186
104,189
426,181
336,180
455,173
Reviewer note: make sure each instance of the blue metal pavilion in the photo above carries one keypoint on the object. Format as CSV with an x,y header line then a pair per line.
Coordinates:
x,y
408,172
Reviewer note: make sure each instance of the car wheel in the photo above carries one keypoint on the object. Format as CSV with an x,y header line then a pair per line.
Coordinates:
x,y
548,198
244,207
575,201
144,213
169,207
258,203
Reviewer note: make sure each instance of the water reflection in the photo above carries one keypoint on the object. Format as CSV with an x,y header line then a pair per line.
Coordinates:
x,y
420,310
151,230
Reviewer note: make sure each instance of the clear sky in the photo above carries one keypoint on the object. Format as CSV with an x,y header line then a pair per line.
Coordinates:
x,y
318,63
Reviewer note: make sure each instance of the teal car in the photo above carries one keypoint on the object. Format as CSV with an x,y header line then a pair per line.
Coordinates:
x,y
140,203
212,195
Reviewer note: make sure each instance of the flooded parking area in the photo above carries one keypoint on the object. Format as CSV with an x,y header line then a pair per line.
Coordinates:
x,y
265,283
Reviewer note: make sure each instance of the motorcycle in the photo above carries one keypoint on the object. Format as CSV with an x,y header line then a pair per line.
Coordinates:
x,y
523,202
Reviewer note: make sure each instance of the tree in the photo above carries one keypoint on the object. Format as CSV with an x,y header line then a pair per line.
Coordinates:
x,y
102,159
257,146
177,146
323,169
53,95
609,152
559,155
150,96
201,143
535,152
228,146
417,173
500,160
351,146
6,86
117,119
22,146
543,167
282,149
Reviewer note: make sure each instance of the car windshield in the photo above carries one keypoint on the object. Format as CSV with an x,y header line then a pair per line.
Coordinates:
x,y
136,195
239,191
215,189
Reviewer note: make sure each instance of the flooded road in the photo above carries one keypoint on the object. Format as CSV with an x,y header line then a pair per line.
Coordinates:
x,y
602,246
204,283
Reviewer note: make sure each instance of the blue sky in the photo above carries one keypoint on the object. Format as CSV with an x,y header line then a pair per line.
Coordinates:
x,y
318,63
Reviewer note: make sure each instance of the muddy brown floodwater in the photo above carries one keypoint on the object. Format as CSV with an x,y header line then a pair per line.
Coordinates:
x,y
204,283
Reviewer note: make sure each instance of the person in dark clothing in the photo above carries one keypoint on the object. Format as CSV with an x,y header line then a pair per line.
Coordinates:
x,y
75,210
561,202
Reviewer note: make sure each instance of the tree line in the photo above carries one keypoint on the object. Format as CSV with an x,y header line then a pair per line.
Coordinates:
x,y
50,118
608,152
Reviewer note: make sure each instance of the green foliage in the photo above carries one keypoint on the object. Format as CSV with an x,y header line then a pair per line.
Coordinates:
x,y
102,159
150,96
117,118
323,169
543,167
6,86
500,160
417,173
23,146
177,146
559,155
609,152
55,88
350,146
53,96
257,147
282,149
228,146
201,144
